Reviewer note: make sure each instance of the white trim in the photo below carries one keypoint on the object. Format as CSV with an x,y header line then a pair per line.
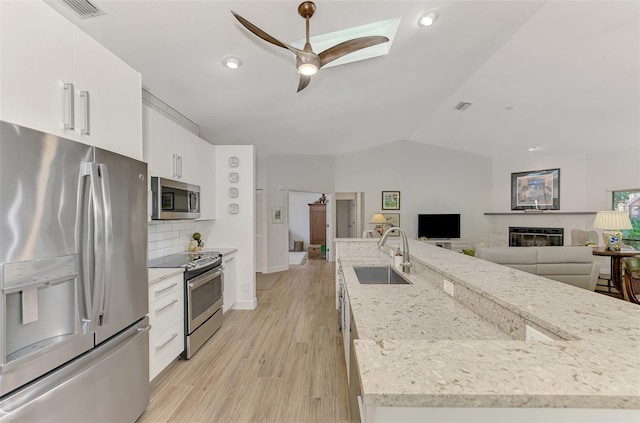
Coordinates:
x,y
246,304
274,269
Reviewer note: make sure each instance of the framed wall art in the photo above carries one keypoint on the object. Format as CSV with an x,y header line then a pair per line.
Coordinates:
x,y
535,190
277,214
393,221
390,200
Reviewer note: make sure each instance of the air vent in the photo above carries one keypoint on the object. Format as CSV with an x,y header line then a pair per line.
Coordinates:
x,y
462,106
83,8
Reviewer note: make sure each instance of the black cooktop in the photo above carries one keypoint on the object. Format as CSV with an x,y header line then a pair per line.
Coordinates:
x,y
188,260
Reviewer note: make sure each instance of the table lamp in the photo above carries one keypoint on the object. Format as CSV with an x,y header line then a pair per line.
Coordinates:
x,y
378,220
612,222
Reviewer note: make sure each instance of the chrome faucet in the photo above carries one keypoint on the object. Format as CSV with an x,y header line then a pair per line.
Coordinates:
x,y
406,264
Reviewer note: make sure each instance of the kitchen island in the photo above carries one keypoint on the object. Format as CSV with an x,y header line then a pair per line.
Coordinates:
x,y
506,346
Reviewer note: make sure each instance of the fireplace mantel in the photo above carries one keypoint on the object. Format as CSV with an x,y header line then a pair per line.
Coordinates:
x,y
499,223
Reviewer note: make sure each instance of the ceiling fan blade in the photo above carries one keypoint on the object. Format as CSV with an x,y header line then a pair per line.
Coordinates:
x,y
346,47
304,81
260,33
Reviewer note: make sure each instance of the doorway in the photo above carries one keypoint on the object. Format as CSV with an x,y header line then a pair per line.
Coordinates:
x,y
349,207
298,212
345,219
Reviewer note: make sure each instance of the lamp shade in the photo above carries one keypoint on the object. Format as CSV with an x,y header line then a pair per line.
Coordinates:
x,y
378,219
612,220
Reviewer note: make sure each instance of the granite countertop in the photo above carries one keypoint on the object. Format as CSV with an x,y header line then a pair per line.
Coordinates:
x,y
158,274
419,347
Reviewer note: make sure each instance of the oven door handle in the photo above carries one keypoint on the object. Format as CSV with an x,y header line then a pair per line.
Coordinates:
x,y
201,280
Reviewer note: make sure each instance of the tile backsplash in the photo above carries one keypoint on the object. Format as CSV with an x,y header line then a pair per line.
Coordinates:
x,y
173,236
169,237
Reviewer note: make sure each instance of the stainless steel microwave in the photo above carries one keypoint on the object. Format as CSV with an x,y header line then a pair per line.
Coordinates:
x,y
174,199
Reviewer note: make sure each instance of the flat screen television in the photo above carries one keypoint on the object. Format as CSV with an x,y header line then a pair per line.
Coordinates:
x,y
439,226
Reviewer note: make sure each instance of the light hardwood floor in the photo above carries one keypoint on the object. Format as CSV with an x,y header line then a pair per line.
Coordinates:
x,y
282,362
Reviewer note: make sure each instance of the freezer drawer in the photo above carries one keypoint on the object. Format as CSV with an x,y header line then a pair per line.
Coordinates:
x,y
108,384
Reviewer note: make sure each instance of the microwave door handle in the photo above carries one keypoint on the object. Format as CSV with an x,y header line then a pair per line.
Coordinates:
x,y
98,244
108,242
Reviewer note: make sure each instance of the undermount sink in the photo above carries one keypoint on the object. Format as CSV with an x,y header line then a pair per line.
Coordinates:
x,y
379,275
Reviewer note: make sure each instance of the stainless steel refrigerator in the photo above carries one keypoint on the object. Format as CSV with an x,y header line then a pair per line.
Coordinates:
x,y
74,336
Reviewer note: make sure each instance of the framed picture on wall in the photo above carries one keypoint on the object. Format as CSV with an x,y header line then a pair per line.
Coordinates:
x,y
277,214
390,200
535,190
393,221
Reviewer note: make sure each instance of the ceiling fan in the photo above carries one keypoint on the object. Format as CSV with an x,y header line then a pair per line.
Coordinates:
x,y
308,62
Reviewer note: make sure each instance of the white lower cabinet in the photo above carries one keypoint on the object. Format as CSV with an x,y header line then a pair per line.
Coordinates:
x,y
166,316
230,293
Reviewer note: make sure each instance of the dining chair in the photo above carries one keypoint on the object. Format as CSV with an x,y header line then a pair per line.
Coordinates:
x,y
631,284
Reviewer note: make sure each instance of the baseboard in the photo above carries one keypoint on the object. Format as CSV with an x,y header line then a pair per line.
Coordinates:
x,y
275,269
246,304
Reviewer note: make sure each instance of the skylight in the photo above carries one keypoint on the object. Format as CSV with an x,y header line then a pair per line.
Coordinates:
x,y
322,42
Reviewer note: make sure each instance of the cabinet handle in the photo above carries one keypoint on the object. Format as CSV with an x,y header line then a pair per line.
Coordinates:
x,y
86,127
165,289
69,118
159,347
179,166
175,165
158,310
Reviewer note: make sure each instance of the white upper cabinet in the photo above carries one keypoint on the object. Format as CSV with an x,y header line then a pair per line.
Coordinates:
x,y
173,152
36,48
159,146
112,113
205,174
57,79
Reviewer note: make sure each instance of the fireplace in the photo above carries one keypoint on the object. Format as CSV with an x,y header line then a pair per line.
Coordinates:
x,y
535,237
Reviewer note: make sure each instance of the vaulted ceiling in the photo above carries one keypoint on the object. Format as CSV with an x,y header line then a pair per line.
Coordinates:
x,y
563,76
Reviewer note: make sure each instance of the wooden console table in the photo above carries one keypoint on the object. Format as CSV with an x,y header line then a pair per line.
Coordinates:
x,y
616,264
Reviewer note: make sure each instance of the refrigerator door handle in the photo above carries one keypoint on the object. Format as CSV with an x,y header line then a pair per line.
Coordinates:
x,y
108,244
98,244
87,274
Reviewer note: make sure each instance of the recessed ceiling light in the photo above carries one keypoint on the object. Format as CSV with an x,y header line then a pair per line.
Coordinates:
x,y
232,62
533,148
428,18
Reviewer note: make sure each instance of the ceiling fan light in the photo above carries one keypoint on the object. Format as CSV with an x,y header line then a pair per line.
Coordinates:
x,y
307,69
428,18
232,62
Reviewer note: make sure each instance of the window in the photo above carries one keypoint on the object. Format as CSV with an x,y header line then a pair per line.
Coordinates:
x,y
629,201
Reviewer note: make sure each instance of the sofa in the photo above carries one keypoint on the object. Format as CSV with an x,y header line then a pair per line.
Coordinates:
x,y
571,265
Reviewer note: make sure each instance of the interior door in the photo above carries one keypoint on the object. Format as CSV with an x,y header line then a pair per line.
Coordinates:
x,y
343,219
126,294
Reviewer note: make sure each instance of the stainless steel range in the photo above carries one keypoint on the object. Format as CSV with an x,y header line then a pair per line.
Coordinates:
x,y
203,287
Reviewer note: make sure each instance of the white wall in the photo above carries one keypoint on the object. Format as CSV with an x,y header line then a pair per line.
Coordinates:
x,y
299,216
624,173
430,180
584,181
237,230
573,180
279,174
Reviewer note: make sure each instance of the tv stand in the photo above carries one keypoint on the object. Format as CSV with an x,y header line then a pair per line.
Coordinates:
x,y
444,243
